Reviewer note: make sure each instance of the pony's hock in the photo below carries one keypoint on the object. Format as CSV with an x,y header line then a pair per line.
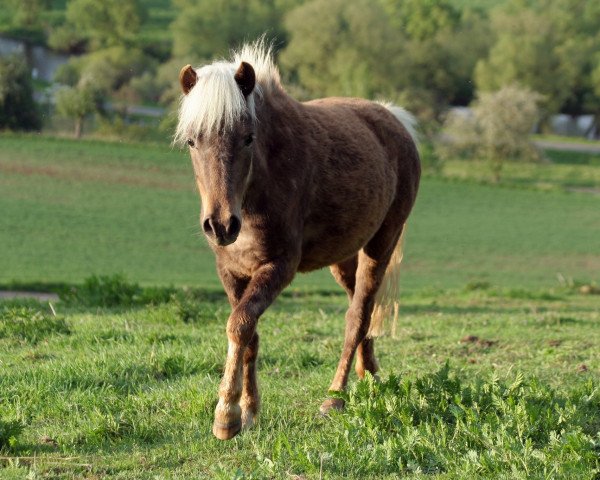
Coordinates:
x,y
292,187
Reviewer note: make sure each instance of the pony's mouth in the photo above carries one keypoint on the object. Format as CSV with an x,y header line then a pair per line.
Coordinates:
x,y
222,241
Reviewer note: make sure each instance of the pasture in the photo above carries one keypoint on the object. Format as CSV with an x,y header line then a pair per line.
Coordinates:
x,y
122,381
71,209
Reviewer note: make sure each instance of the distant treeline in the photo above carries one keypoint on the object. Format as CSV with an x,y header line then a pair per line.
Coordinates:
x,y
425,54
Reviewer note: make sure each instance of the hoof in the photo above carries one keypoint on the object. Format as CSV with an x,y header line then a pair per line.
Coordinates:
x,y
331,404
226,432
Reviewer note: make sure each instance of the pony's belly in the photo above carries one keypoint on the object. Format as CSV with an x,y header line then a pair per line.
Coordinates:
x,y
331,249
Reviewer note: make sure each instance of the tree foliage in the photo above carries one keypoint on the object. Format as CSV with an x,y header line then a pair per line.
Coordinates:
x,y
17,108
99,25
550,46
425,49
204,29
496,129
340,48
75,103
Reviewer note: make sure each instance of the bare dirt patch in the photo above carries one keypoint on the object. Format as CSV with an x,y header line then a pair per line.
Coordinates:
x,y
40,296
80,175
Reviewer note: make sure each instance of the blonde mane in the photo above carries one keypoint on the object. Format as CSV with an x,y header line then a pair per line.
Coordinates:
x,y
216,101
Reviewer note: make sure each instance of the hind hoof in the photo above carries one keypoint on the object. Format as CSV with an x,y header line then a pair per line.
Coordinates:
x,y
226,432
331,404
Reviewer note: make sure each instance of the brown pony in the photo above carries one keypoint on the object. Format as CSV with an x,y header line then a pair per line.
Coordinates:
x,y
292,187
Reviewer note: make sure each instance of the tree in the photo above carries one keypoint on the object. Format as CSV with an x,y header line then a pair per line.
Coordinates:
x,y
99,24
26,13
341,48
75,103
423,51
204,29
497,128
17,108
549,46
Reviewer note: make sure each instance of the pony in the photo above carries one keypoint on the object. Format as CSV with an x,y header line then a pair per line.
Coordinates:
x,y
290,187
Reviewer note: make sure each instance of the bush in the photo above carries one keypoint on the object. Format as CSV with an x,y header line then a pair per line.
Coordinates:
x,y
9,431
17,108
496,128
441,422
75,103
113,291
31,325
103,291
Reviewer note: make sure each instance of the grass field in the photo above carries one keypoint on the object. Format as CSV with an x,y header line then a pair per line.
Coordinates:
x,y
72,209
128,392
121,382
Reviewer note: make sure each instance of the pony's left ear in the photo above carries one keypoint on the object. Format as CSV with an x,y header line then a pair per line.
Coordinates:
x,y
187,78
245,78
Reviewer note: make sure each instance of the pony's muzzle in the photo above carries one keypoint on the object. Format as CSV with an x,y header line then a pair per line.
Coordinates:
x,y
222,234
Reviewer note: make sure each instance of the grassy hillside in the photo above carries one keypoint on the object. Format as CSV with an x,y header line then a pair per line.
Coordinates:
x,y
72,209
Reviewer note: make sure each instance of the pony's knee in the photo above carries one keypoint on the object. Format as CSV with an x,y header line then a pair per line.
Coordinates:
x,y
240,329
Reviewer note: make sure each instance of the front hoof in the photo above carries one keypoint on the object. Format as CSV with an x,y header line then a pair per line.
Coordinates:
x,y
331,404
226,431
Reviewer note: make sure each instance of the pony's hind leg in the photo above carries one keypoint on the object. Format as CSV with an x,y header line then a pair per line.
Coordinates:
x,y
365,358
345,275
372,263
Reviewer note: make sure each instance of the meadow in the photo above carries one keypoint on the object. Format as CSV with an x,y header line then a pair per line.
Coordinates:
x,y
493,372
72,209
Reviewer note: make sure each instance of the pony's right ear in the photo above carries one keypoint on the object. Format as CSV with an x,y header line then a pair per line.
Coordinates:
x,y
187,78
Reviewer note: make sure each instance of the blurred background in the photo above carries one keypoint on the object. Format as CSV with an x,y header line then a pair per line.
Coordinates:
x,y
507,94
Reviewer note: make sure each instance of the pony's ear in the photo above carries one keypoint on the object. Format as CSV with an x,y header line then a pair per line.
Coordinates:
x,y
187,78
245,78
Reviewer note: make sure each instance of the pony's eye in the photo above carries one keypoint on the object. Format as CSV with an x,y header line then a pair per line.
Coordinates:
x,y
190,142
248,140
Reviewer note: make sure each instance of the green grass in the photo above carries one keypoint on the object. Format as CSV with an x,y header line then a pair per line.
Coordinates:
x,y
565,139
120,380
71,209
562,171
129,392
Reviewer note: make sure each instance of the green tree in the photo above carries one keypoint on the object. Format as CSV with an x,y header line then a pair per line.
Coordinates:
x,y
99,24
497,128
421,19
17,108
549,46
341,48
27,13
420,51
76,103
204,29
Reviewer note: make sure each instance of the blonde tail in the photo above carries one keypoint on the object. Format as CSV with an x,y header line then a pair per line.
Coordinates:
x,y
386,302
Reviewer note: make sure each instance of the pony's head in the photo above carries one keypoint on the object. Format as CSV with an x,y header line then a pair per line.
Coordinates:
x,y
217,120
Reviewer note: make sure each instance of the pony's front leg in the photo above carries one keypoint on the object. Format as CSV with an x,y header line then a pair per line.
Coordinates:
x,y
262,289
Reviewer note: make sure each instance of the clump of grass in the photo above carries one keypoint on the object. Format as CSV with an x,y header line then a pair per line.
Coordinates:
x,y
9,433
477,285
441,423
103,291
113,291
28,324
171,366
192,307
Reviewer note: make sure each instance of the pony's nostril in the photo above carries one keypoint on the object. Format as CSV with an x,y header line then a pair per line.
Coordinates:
x,y
207,226
234,226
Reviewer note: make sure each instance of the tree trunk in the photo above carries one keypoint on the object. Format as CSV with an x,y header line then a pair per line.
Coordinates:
x,y
78,127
